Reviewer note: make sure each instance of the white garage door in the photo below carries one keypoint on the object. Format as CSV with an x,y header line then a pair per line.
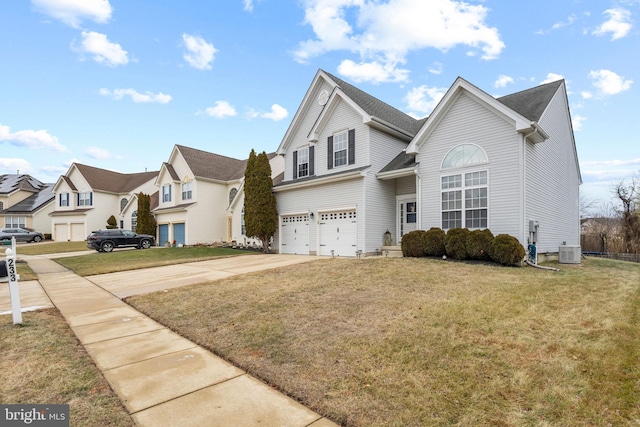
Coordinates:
x,y
77,233
294,234
338,233
61,232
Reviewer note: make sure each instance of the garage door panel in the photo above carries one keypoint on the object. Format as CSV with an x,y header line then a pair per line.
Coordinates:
x,y
338,233
294,234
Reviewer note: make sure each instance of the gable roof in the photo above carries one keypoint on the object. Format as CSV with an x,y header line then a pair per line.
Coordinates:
x,y
376,108
113,182
531,103
10,183
208,165
33,202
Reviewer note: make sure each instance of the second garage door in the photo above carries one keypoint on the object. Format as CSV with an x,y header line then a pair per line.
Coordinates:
x,y
294,234
338,233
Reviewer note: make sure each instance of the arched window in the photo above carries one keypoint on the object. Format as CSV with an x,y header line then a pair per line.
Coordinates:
x,y
464,155
465,194
232,194
123,203
134,220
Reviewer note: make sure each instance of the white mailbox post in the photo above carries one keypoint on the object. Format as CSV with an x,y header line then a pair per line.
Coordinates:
x,y
12,278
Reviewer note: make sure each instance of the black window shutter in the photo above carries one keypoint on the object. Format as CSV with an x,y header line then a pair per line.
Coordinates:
x,y
295,164
352,146
311,161
330,152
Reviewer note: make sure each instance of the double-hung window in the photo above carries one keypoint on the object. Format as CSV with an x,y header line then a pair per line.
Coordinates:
x,y
84,198
186,190
464,195
64,199
340,149
166,193
303,162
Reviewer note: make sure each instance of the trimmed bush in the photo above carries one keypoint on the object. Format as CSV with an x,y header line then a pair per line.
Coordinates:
x,y
507,250
455,243
479,244
111,222
412,243
433,244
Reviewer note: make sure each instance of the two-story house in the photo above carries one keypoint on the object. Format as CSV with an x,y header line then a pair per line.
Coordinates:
x,y
86,196
25,202
357,168
201,197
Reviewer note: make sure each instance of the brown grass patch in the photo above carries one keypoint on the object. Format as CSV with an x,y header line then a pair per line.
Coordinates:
x,y
43,363
425,342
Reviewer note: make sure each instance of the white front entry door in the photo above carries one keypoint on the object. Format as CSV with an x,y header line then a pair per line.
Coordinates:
x,y
407,216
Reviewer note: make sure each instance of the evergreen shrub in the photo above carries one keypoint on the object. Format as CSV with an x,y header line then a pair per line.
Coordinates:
x,y
479,244
433,243
455,243
507,250
412,243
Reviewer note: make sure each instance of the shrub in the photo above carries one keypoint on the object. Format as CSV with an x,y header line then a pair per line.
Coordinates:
x,y
433,243
455,243
112,223
412,243
506,250
479,244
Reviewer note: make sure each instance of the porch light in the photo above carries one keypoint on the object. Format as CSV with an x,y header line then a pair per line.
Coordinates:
x,y
311,215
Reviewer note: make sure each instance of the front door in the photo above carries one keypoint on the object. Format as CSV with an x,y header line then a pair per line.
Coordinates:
x,y
407,216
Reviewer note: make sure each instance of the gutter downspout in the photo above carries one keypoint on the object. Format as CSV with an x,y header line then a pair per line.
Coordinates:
x,y
419,198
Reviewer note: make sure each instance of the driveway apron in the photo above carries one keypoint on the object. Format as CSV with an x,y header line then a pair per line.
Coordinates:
x,y
162,378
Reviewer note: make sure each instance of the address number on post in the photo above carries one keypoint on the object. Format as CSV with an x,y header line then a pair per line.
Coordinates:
x,y
11,269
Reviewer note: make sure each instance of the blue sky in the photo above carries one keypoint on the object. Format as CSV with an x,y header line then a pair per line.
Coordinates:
x,y
115,84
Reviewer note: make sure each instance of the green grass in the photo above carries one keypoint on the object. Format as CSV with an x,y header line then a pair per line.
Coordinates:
x,y
43,363
413,342
47,247
132,259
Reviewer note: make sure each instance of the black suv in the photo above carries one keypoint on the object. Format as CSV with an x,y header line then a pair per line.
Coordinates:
x,y
107,240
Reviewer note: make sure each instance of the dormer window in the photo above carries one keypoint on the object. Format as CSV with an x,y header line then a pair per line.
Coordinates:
x,y
166,193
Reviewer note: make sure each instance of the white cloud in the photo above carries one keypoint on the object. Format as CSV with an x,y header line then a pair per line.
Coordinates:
x,y
31,139
373,72
100,153
199,54
382,34
248,5
586,94
13,165
436,68
608,82
570,20
503,81
618,24
577,122
104,51
137,97
73,12
221,110
424,99
552,77
277,113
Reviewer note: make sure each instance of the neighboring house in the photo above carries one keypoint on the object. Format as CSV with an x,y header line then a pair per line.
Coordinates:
x,y
356,168
25,202
86,196
201,199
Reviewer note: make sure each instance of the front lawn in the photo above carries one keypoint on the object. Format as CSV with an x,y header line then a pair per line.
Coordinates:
x,y
413,342
43,363
47,247
132,259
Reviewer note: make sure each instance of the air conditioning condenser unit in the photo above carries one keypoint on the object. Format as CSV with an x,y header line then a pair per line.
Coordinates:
x,y
569,254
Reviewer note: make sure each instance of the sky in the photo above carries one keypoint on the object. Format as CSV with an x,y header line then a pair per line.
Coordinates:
x,y
116,84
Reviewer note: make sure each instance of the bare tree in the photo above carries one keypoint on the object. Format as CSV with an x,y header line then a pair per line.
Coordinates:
x,y
629,197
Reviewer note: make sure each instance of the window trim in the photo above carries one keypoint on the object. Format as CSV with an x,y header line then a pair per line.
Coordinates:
x,y
301,170
186,190
450,153
85,198
166,193
461,188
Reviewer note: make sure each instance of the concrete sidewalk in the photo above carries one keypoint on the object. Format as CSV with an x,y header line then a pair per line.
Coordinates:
x,y
162,378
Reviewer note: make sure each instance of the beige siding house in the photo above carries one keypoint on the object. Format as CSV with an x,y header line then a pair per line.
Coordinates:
x,y
25,202
86,196
358,170
201,198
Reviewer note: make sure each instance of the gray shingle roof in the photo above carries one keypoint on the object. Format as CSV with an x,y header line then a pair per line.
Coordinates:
x,y
212,166
531,103
401,161
376,108
33,202
114,182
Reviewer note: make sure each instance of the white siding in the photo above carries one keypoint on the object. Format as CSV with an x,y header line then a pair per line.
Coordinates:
x,y
336,196
552,181
470,122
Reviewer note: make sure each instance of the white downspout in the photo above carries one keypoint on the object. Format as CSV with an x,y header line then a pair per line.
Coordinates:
x,y
419,198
